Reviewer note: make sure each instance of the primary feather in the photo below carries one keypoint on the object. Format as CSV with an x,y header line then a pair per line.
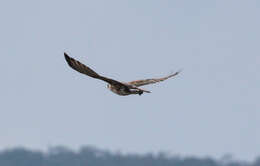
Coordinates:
x,y
138,83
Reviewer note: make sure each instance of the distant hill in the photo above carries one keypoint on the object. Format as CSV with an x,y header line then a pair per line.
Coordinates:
x,y
89,156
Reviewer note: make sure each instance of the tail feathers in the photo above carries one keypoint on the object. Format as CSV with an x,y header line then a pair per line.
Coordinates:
x,y
140,92
144,90
147,91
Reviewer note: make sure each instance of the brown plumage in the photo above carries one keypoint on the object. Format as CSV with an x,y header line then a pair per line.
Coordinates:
x,y
117,87
138,83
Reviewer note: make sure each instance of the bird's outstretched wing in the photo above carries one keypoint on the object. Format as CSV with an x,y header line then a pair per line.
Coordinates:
x,y
138,83
80,67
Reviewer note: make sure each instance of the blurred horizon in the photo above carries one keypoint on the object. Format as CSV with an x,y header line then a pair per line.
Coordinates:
x,y
226,159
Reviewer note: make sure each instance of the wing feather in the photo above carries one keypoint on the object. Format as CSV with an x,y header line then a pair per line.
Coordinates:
x,y
80,67
138,83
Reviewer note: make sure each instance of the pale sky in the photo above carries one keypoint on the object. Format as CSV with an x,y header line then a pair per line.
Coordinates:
x,y
212,108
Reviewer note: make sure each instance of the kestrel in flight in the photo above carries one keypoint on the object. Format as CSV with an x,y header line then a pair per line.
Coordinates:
x,y
120,88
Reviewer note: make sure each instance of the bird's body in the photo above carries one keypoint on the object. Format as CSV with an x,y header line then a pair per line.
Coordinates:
x,y
123,91
117,87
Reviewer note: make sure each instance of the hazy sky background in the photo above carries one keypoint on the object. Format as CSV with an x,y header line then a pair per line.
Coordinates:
x,y
210,109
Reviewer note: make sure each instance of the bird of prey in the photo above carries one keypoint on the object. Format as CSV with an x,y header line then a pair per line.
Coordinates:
x,y
120,88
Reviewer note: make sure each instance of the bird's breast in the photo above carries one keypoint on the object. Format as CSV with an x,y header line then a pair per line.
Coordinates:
x,y
122,91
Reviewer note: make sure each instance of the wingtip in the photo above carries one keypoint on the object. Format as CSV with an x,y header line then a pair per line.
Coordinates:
x,y
65,54
175,73
67,57
179,71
